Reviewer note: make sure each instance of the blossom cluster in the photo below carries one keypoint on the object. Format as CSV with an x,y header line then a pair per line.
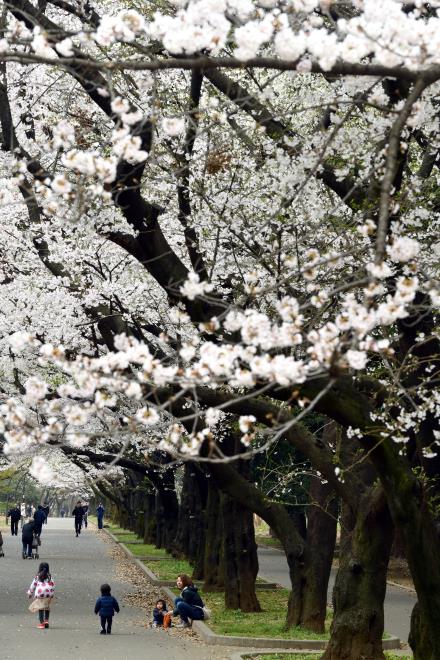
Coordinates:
x,y
404,39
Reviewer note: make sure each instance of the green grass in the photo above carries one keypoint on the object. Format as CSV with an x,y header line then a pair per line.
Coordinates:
x,y
268,623
268,540
126,537
169,569
148,550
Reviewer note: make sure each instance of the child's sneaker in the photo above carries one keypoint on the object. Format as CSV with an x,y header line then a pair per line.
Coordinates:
x,y
41,626
46,624
102,632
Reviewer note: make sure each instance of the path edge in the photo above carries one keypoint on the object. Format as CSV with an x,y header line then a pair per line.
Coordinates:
x,y
210,637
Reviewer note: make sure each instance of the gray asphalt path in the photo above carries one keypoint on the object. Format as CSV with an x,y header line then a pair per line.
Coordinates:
x,y
398,602
79,566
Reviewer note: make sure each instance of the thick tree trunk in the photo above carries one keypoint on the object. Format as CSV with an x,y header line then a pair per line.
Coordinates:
x,y
240,556
359,592
410,506
213,553
298,557
149,518
322,517
166,518
422,548
189,541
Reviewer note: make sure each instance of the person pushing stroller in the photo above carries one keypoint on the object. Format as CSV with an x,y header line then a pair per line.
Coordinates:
x,y
27,538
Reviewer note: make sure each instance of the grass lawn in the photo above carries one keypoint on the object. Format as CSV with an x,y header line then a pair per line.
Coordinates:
x,y
126,537
168,569
269,623
145,549
268,540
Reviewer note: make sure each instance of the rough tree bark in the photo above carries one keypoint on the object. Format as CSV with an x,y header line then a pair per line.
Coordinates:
x,y
322,515
149,518
190,535
213,552
359,591
240,558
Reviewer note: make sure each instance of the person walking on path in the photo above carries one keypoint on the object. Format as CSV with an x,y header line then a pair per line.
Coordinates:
x,y
106,606
23,514
14,514
46,509
62,512
86,513
100,514
78,513
39,518
27,536
43,589
189,605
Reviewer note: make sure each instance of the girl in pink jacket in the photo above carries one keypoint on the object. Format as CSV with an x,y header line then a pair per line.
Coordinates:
x,y
43,589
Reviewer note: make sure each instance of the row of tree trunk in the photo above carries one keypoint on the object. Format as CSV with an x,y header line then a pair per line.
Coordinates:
x,y
211,525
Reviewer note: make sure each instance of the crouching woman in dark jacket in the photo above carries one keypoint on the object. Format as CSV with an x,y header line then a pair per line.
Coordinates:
x,y
188,605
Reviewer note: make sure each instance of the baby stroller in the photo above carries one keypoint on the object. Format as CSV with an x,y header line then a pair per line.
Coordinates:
x,y
35,547
2,554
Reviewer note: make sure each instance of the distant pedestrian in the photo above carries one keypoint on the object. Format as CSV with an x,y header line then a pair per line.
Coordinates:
x,y
86,513
46,509
14,514
100,514
23,513
78,513
106,606
39,518
29,510
27,536
62,512
43,589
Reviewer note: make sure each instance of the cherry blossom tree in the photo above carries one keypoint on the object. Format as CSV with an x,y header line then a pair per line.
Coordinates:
x,y
218,217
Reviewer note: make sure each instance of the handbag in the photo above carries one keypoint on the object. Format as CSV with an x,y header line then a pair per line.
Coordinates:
x,y
167,620
206,613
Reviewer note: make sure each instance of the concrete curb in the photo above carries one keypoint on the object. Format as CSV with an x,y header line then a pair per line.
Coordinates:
x,y
265,643
240,655
210,637
401,586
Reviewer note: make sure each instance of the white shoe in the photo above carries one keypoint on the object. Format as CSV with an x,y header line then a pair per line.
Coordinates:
x,y
184,624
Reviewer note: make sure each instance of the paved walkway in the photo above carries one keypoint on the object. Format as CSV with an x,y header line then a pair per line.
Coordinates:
x,y
79,566
398,602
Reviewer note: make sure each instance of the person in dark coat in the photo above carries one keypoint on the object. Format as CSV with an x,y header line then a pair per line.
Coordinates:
x,y
78,513
189,605
27,535
39,518
100,514
158,613
86,514
14,514
46,509
62,512
106,606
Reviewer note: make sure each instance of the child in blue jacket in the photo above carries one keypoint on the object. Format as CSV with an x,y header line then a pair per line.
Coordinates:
x,y
106,606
